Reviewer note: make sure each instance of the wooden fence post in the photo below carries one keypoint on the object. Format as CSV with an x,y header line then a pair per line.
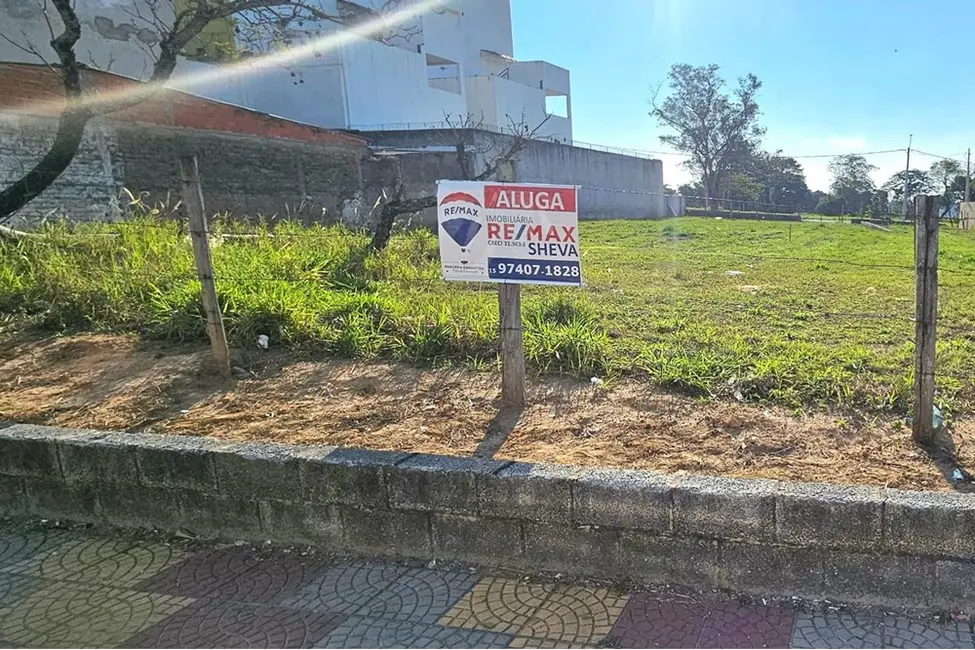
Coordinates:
x,y
196,211
512,342
926,265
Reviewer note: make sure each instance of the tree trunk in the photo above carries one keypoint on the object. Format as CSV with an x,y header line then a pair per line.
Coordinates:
x,y
710,190
394,208
384,229
71,128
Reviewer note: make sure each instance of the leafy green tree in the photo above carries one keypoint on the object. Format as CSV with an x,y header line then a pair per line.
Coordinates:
x,y
742,187
710,125
851,183
943,173
918,182
783,181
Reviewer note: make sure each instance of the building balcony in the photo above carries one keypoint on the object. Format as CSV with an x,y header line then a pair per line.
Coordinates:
x,y
502,104
542,75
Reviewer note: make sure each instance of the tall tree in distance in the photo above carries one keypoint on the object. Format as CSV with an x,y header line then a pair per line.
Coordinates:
x,y
918,182
944,172
711,126
783,180
851,181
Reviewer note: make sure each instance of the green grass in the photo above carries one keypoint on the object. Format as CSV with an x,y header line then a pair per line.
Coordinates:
x,y
820,317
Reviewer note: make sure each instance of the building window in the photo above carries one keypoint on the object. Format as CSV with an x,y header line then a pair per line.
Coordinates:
x,y
557,105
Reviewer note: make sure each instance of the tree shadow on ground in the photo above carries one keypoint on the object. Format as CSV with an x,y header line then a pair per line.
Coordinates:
x,y
498,430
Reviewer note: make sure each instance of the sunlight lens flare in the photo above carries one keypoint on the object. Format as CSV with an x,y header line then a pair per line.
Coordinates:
x,y
105,100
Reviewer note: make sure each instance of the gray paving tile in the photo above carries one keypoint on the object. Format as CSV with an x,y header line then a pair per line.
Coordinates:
x,y
346,587
419,595
359,632
14,587
68,615
17,546
836,630
900,632
98,560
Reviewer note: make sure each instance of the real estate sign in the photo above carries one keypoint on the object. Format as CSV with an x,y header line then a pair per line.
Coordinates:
x,y
508,232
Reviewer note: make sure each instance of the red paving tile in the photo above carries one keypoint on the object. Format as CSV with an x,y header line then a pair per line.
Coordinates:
x,y
238,574
211,624
733,625
647,622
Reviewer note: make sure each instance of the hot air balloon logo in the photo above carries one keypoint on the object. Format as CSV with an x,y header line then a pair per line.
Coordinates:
x,y
462,230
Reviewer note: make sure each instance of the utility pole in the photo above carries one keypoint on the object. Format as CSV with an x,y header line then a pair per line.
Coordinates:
x,y
907,173
968,173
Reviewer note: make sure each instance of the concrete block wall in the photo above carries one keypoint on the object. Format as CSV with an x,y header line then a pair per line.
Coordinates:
x,y
243,174
247,175
90,185
612,186
250,163
871,546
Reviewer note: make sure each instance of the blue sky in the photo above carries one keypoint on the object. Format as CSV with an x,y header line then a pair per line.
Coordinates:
x,y
839,76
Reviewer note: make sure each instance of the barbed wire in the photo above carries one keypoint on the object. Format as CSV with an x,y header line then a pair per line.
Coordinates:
x,y
681,154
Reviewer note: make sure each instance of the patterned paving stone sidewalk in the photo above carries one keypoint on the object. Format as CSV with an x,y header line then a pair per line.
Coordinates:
x,y
83,588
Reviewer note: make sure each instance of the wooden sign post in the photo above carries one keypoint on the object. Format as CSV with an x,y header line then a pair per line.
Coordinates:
x,y
196,212
512,346
511,332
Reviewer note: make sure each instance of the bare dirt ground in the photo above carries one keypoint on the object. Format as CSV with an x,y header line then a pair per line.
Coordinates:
x,y
120,383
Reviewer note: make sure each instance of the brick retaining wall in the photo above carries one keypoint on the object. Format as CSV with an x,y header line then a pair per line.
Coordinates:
x,y
867,545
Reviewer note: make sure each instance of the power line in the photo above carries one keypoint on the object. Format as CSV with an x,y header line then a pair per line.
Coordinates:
x,y
780,155
934,155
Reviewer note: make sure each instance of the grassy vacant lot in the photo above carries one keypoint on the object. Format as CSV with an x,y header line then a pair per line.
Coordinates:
x,y
820,316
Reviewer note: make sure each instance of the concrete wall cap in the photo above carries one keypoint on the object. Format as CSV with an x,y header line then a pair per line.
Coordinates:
x,y
363,457
433,463
49,434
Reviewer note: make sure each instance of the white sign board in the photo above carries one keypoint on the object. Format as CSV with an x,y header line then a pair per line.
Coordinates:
x,y
508,232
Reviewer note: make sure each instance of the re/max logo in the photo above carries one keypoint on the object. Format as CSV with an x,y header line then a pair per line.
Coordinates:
x,y
525,232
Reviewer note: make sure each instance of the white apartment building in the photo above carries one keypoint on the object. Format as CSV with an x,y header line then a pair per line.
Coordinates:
x,y
455,60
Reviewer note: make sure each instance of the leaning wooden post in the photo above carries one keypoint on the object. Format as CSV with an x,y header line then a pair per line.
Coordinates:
x,y
196,211
512,343
926,264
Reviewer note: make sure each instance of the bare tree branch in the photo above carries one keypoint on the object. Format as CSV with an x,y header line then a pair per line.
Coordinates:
x,y
27,46
519,137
